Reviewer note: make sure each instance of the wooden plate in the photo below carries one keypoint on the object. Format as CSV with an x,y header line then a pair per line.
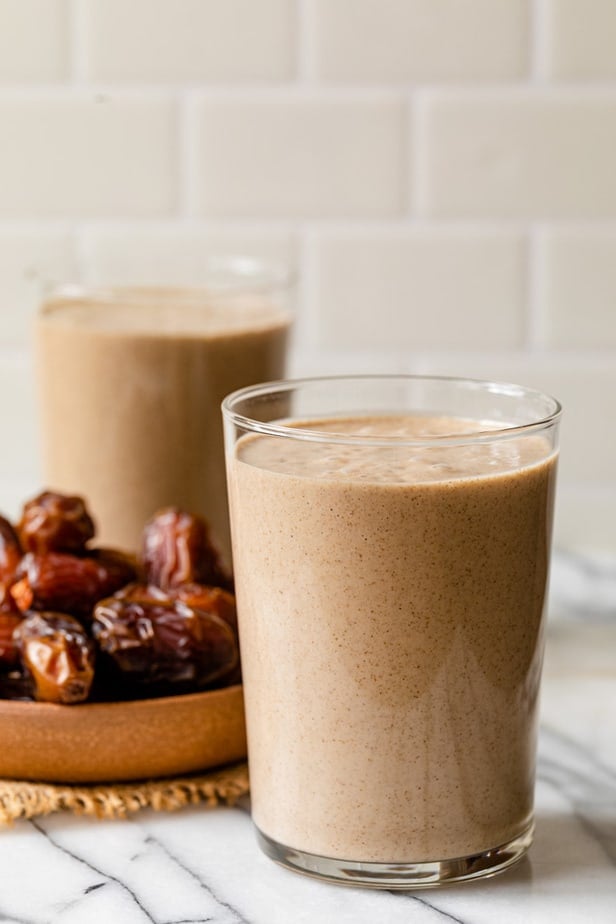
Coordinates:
x,y
110,742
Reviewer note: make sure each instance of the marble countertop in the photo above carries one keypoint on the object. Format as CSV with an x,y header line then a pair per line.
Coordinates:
x,y
203,865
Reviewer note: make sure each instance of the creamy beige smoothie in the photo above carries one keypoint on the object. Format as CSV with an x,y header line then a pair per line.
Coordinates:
x,y
390,602
130,389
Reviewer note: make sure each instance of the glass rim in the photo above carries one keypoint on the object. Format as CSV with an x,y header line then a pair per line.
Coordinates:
x,y
323,436
232,274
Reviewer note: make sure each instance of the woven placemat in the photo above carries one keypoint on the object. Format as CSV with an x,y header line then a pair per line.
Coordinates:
x,y
22,799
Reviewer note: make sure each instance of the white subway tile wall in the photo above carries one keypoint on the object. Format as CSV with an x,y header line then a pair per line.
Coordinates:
x,y
34,41
366,41
435,288
579,40
577,288
87,156
441,172
524,154
291,157
153,41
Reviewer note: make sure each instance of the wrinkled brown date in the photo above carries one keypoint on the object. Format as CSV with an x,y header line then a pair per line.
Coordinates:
x,y
58,655
222,604
210,600
175,633
153,642
10,551
142,593
177,549
53,522
67,583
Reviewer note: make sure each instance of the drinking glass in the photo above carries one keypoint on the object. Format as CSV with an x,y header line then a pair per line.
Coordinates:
x,y
130,383
391,540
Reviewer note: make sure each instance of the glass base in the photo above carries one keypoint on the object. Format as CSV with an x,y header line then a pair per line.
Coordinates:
x,y
426,875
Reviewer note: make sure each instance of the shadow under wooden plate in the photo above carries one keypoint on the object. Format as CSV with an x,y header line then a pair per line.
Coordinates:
x,y
109,742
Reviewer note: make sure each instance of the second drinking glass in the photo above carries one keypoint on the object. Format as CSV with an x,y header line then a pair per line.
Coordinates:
x,y
131,380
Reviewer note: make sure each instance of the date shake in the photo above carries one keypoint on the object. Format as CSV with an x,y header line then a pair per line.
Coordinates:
x,y
391,600
131,382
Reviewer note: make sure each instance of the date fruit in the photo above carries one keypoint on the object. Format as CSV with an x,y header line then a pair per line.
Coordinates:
x,y
142,593
67,583
164,624
222,604
157,643
10,551
58,655
53,522
210,600
177,549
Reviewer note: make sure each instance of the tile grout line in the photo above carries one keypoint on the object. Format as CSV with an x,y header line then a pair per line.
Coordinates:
x,y
534,339
416,172
186,140
259,225
304,42
539,42
81,256
76,43
408,153
76,29
307,325
304,89
80,259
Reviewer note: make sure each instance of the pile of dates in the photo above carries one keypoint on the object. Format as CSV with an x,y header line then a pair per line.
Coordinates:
x,y
82,623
